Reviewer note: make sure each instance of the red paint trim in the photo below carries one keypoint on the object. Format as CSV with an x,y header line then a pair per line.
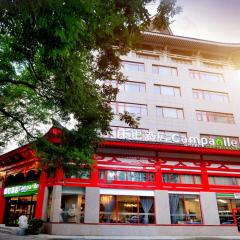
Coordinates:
x,y
40,196
2,201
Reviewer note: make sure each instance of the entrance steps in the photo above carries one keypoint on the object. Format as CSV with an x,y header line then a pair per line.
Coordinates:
x,y
9,230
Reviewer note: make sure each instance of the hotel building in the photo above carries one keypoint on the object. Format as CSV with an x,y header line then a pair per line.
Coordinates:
x,y
177,174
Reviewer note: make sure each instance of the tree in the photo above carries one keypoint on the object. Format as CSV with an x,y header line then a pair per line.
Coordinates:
x,y
55,59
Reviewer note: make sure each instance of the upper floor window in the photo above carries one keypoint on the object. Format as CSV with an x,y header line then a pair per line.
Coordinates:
x,y
164,70
181,178
166,112
212,77
167,90
113,175
210,95
135,109
169,134
182,61
214,117
217,180
132,87
133,66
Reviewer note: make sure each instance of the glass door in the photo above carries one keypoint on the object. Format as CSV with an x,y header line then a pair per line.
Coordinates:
x,y
16,206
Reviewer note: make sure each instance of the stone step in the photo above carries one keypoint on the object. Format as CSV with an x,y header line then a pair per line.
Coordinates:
x,y
9,230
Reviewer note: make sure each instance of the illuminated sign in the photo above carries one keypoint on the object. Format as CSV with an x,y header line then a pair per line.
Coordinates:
x,y
140,135
21,190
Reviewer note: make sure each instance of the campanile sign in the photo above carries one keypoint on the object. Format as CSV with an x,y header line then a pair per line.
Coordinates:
x,y
148,136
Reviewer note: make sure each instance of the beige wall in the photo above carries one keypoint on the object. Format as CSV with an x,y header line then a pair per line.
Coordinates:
x,y
186,101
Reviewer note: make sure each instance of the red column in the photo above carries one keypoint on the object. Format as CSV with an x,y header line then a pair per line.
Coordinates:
x,y
94,172
205,182
2,201
40,197
158,176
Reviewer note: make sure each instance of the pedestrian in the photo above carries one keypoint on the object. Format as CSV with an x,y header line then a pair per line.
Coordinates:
x,y
23,224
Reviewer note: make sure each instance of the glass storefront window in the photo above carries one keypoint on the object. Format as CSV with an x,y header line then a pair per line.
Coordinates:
x,y
185,209
126,209
225,207
72,208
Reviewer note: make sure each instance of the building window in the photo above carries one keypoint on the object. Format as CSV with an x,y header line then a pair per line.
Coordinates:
x,y
210,95
230,181
166,112
82,174
133,87
113,175
126,209
164,70
167,90
181,61
72,205
135,109
205,116
225,208
211,77
169,134
181,178
133,66
185,209
128,86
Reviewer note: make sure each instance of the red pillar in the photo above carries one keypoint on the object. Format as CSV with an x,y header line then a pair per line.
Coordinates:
x,y
2,201
40,197
205,182
94,172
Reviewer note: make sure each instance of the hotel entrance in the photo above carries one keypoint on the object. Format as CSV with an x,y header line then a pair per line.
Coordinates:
x,y
16,206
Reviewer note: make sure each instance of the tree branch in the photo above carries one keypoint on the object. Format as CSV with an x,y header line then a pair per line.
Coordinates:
x,y
8,114
19,83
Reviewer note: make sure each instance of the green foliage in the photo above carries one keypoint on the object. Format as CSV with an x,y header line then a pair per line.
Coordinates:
x,y
54,59
34,226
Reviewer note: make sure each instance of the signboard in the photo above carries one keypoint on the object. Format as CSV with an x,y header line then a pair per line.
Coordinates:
x,y
21,190
148,136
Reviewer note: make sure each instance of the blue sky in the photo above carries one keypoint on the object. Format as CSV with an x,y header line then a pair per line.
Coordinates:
x,y
216,20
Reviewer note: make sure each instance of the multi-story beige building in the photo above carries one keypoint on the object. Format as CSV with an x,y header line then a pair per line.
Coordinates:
x,y
182,86
177,174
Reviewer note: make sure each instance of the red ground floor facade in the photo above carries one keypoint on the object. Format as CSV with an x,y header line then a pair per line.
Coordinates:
x,y
133,188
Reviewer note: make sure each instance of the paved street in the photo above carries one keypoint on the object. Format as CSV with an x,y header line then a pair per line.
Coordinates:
x,y
4,236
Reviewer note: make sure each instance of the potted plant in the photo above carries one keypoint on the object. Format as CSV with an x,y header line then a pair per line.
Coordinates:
x,y
34,226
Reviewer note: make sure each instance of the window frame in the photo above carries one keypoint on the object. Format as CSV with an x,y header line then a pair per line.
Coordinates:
x,y
207,116
140,67
176,90
160,112
172,71
142,107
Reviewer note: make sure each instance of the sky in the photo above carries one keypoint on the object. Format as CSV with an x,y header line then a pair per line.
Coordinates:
x,y
215,20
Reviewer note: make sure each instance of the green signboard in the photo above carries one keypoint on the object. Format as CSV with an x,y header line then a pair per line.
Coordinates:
x,y
25,189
